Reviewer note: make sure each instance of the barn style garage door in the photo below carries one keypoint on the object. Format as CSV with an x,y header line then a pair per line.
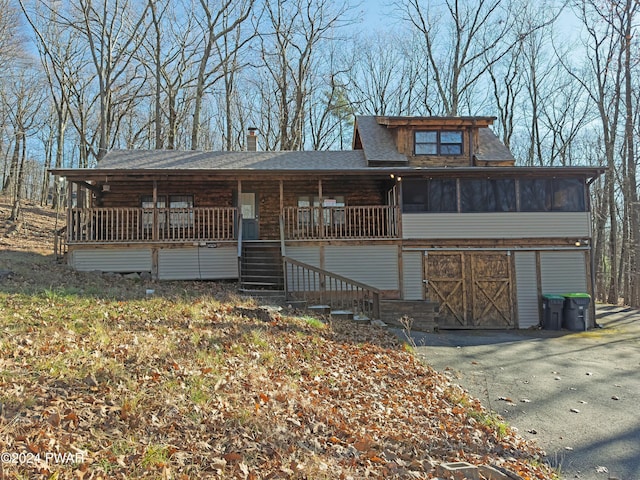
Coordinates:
x,y
474,289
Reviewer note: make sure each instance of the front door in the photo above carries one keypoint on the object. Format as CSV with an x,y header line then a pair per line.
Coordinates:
x,y
249,211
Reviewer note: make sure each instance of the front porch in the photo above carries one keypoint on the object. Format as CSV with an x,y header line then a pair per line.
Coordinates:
x,y
126,225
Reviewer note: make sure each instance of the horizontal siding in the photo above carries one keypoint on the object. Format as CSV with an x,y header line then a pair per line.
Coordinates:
x,y
496,225
178,264
305,254
527,289
375,265
112,260
412,275
197,263
218,263
563,272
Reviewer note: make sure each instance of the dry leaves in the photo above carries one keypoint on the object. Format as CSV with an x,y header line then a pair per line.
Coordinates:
x,y
197,383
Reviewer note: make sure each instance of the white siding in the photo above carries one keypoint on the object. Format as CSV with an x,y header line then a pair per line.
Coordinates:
x,y
527,289
412,275
178,264
218,263
197,263
304,254
563,272
375,265
112,260
496,225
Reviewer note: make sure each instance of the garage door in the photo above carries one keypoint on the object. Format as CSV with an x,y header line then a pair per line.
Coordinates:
x,y
473,289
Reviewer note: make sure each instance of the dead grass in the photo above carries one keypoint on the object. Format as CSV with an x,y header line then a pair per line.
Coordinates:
x,y
196,382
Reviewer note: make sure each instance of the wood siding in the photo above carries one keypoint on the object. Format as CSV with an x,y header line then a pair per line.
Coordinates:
x,y
527,290
197,263
120,260
412,276
496,225
563,272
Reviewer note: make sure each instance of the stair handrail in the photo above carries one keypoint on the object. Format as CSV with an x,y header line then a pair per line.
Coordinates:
x,y
324,274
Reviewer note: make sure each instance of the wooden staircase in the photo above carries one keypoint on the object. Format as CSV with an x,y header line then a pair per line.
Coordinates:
x,y
261,268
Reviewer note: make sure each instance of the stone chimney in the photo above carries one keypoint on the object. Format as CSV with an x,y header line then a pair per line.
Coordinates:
x,y
252,140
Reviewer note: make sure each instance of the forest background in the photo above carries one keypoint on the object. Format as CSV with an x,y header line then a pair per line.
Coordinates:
x,y
80,77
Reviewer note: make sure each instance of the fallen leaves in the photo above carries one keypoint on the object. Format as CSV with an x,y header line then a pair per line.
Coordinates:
x,y
210,386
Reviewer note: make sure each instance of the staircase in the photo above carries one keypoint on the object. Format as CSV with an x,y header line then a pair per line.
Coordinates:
x,y
261,268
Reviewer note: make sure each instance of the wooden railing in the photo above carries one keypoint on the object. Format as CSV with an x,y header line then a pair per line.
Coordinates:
x,y
315,285
113,225
60,243
304,223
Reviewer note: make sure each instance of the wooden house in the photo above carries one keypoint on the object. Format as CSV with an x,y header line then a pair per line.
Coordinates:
x,y
422,211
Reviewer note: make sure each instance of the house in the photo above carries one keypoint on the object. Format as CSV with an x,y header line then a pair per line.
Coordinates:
x,y
422,212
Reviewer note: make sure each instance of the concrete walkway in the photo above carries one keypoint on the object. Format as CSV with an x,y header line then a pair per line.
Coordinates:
x,y
577,394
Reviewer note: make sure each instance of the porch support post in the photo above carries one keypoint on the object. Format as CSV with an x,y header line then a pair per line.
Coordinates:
x,y
239,204
70,226
156,227
399,208
320,209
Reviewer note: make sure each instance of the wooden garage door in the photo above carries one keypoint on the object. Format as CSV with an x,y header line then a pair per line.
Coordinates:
x,y
474,289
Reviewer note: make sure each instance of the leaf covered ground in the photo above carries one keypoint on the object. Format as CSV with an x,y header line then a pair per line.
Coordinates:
x,y
197,382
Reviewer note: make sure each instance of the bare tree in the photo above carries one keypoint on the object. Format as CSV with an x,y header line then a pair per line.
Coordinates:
x,y
216,24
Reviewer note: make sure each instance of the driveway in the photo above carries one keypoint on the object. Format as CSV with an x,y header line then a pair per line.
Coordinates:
x,y
576,394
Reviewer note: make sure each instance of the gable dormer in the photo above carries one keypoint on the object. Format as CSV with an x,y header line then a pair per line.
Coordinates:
x,y
430,142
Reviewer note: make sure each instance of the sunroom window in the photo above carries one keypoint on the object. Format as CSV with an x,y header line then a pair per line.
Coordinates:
x,y
438,142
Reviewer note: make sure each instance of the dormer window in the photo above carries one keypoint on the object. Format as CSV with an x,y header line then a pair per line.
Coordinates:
x,y
438,142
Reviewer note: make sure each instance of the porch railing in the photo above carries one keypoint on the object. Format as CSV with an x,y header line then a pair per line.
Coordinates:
x,y
315,285
60,243
304,223
111,225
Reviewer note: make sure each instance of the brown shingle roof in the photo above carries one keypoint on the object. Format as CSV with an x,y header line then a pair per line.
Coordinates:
x,y
490,148
377,141
196,160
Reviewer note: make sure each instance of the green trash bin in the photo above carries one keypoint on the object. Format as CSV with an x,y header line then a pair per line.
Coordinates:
x,y
576,311
552,306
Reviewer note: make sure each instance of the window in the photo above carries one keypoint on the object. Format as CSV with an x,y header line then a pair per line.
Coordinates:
x,y
183,217
487,195
438,142
181,210
552,195
435,195
147,214
333,211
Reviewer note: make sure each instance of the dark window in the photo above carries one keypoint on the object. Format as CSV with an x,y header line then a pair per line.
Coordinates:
x,y
436,142
429,196
552,195
487,195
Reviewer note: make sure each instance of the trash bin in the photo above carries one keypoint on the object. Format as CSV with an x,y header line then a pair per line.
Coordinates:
x,y
576,311
552,312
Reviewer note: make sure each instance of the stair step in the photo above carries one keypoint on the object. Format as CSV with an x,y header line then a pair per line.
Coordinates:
x,y
321,309
342,314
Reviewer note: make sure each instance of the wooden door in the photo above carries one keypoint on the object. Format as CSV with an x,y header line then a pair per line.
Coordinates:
x,y
444,284
473,289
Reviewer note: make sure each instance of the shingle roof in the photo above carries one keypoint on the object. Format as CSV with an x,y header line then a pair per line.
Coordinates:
x,y
196,160
490,147
377,141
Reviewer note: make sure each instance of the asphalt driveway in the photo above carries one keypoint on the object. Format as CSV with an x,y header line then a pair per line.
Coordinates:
x,y
577,394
